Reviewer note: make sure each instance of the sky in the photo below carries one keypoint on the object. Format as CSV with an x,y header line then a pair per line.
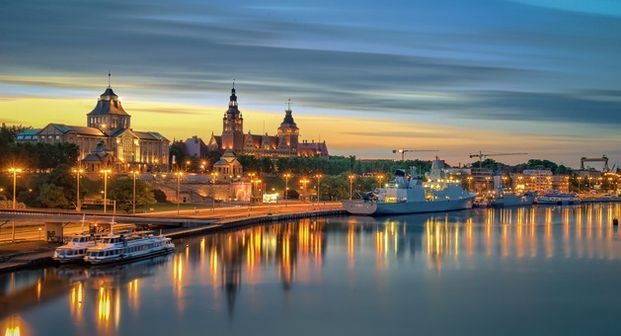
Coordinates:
x,y
535,76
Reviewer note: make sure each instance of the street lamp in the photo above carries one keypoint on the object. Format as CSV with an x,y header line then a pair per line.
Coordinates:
x,y
213,175
134,174
179,175
78,172
106,172
351,178
380,178
318,177
251,175
304,181
287,176
14,171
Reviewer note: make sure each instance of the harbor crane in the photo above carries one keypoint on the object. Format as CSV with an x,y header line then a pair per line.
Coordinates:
x,y
482,155
402,151
603,159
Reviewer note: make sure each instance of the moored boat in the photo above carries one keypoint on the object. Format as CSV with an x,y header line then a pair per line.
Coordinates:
x,y
75,249
118,248
409,195
557,198
506,200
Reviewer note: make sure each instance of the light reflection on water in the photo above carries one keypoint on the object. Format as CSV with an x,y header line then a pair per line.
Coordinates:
x,y
373,273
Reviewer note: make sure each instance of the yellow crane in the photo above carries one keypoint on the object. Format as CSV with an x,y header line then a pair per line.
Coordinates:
x,y
402,151
482,155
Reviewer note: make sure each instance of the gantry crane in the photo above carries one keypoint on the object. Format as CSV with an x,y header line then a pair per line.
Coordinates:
x,y
402,151
482,155
603,159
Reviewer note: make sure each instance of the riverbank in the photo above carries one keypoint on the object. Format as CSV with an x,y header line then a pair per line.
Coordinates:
x,y
26,254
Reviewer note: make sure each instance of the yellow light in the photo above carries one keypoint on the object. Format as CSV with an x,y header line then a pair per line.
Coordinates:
x,y
15,170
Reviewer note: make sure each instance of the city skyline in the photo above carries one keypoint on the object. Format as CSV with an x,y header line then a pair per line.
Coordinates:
x,y
536,77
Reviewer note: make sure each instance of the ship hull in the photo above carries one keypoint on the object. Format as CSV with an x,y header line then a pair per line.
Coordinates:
x,y
512,201
378,209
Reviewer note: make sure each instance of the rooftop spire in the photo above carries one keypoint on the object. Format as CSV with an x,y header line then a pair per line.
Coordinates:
x,y
289,104
233,98
109,75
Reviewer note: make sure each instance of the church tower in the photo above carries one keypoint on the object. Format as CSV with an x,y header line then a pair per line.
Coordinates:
x,y
108,114
288,134
233,126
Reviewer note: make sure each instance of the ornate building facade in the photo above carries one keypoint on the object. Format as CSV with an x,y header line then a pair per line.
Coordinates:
x,y
108,139
284,144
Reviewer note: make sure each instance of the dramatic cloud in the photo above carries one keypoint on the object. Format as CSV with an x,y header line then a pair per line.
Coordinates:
x,y
543,65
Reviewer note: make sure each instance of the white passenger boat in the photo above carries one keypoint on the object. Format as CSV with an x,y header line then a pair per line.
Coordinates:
x,y
118,248
557,198
409,195
75,248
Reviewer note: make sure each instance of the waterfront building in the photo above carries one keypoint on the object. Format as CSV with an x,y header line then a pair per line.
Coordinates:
x,y
228,167
285,143
108,139
481,179
537,180
560,183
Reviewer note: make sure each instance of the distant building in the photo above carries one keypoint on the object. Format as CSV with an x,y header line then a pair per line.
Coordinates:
x,y
284,144
537,180
108,139
228,167
480,179
195,147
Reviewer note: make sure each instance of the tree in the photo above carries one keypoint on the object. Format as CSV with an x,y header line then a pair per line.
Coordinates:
x,y
121,190
334,187
8,134
177,151
52,196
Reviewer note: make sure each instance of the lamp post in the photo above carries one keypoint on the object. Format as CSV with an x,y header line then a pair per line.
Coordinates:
x,y
213,190
106,172
178,174
351,178
78,172
318,177
14,171
251,175
134,173
380,178
304,181
287,176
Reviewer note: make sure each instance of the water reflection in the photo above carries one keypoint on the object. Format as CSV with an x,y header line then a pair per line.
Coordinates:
x,y
298,252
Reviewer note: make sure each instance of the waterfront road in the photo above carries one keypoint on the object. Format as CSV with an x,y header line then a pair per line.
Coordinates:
x,y
240,211
30,225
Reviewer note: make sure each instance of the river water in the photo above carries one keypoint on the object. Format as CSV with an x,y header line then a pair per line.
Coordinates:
x,y
536,271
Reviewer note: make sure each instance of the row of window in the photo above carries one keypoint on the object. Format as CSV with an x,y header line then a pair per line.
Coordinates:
x,y
72,252
132,249
36,137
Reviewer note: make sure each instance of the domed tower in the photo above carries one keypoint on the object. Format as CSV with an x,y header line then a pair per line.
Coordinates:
x,y
108,114
233,126
288,133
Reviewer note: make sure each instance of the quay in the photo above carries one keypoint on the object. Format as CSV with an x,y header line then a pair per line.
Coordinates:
x,y
25,254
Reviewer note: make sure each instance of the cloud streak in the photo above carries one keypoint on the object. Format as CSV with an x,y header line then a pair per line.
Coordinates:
x,y
482,64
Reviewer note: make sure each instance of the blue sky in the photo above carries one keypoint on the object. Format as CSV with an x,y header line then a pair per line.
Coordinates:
x,y
536,76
